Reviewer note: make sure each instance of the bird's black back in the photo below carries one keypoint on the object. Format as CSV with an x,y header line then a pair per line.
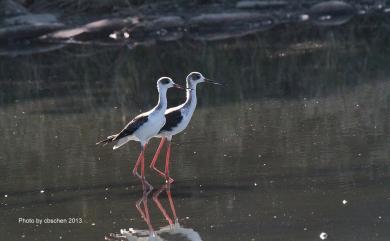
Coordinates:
x,y
172,120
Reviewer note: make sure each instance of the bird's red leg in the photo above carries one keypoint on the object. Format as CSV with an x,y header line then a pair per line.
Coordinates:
x,y
135,170
140,159
153,163
168,179
143,166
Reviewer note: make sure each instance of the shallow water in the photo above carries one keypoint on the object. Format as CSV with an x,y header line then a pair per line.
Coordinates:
x,y
295,143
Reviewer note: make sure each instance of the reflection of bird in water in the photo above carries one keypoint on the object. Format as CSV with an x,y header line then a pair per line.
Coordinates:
x,y
174,228
177,119
146,125
173,231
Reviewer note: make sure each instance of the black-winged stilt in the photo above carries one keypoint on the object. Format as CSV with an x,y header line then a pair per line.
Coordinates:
x,y
144,126
177,119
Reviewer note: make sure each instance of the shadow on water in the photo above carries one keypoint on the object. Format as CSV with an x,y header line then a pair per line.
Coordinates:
x,y
295,144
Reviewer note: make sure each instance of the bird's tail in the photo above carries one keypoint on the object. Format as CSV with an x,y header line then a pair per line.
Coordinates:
x,y
107,140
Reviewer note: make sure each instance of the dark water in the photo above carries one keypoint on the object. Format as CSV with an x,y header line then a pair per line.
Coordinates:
x,y
295,144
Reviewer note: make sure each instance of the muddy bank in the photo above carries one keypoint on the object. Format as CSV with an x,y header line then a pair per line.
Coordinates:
x,y
27,22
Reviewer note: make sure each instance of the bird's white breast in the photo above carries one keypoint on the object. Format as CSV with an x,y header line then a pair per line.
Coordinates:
x,y
183,123
156,120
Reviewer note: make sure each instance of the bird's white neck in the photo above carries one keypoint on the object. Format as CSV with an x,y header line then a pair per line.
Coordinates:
x,y
162,100
190,96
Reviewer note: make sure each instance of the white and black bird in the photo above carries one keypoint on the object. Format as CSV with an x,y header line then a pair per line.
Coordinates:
x,y
146,125
177,119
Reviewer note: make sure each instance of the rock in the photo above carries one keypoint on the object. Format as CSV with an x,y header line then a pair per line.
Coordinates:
x,y
261,4
28,26
225,18
166,22
33,19
10,8
218,26
331,13
27,31
95,29
167,28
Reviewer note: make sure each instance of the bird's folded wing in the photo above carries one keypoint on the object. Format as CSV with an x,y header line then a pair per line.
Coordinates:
x,y
132,126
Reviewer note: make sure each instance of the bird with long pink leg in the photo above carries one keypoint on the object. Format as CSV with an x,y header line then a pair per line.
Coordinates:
x,y
144,126
177,119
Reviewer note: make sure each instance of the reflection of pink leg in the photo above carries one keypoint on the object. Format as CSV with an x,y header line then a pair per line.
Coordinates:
x,y
171,202
145,202
145,211
156,195
160,206
138,206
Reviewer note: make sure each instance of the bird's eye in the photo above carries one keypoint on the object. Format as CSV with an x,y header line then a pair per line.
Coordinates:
x,y
196,77
165,81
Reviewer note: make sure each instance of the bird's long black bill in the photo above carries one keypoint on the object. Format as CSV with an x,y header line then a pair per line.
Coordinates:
x,y
212,82
181,87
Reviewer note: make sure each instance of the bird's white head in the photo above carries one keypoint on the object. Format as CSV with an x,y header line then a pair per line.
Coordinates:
x,y
165,83
195,78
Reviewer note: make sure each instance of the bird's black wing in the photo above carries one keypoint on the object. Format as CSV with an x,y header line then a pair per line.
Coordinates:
x,y
172,119
133,125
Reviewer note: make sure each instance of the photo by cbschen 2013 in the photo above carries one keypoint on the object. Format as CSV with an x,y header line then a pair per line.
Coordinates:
x,y
218,120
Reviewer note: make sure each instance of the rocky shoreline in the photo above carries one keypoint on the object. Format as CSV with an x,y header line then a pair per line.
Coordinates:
x,y
147,25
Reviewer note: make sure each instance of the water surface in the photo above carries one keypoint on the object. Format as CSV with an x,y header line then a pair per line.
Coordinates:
x,y
295,144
